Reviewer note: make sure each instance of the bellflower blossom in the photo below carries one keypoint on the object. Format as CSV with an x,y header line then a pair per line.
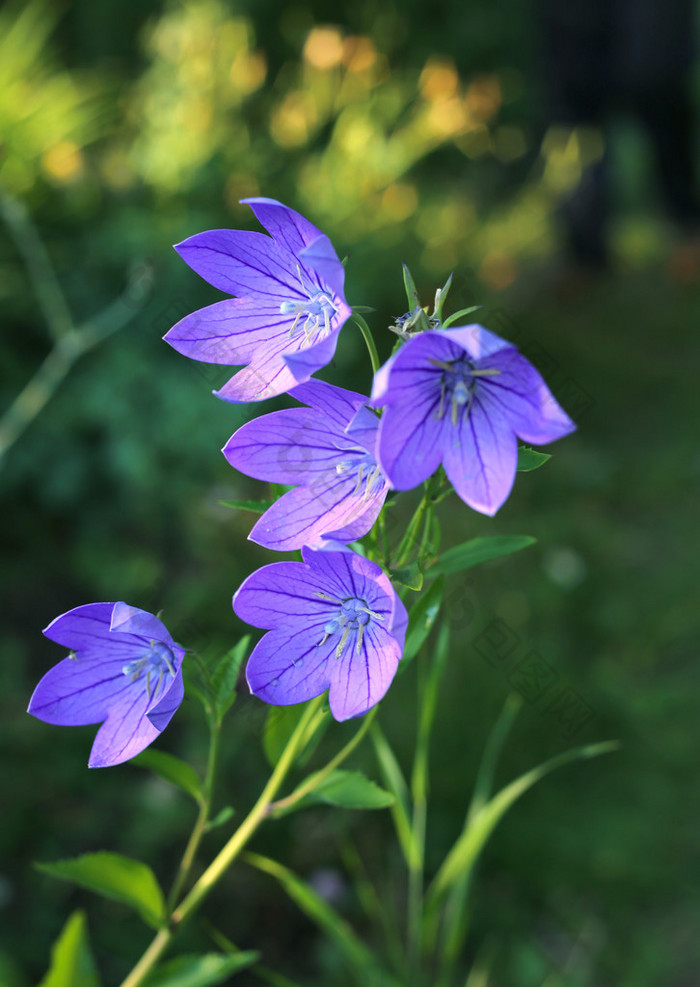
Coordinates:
x,y
334,622
290,307
328,451
459,397
123,671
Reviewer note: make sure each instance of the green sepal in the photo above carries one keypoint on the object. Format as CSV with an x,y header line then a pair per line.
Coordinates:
x,y
114,876
530,459
478,550
201,971
171,769
255,506
225,676
421,618
72,964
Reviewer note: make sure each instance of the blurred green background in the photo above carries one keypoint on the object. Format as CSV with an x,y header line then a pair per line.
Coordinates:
x,y
405,132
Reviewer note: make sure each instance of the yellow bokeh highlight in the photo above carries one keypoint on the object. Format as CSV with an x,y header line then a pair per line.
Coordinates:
x,y
63,162
248,71
323,48
483,98
399,201
498,270
293,120
438,80
359,54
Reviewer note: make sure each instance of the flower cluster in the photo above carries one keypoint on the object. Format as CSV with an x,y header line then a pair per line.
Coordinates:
x,y
458,397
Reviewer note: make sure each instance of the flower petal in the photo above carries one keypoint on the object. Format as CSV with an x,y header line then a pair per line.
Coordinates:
x,y
291,446
229,332
364,429
363,674
80,689
320,258
162,712
306,361
242,263
411,439
125,733
336,403
267,377
476,340
520,394
290,666
289,228
282,591
348,574
480,457
131,620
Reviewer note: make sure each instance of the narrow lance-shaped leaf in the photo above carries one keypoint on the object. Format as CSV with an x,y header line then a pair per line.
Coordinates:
x,y
114,876
201,971
420,621
71,962
479,550
351,790
254,506
396,783
171,769
225,676
530,459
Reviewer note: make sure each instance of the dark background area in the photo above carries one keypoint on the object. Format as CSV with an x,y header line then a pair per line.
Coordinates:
x,y
405,133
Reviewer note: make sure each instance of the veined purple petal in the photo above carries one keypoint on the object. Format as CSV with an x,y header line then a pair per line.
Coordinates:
x,y
229,332
79,690
362,675
520,394
364,429
291,446
411,438
320,258
306,361
242,263
476,340
125,733
336,403
480,457
289,666
362,523
162,712
83,627
349,574
302,516
131,620
266,377
288,590
288,228
412,368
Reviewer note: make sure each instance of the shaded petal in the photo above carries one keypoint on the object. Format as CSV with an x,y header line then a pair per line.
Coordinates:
x,y
411,439
349,574
363,522
520,394
300,517
364,429
242,263
481,456
162,712
477,341
306,361
80,690
291,446
229,332
399,624
320,258
125,733
336,403
82,628
289,228
131,620
411,368
362,675
290,666
267,377
283,592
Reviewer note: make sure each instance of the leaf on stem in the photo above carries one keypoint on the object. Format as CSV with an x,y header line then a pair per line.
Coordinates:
x,y
201,971
478,550
225,676
114,876
280,724
530,459
349,790
220,818
420,621
171,769
71,960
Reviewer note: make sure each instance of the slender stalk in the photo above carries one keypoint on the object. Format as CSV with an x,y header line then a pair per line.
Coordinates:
x,y
226,856
314,780
202,817
407,543
369,340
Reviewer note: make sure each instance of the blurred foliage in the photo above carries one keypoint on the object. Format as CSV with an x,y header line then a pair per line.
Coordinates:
x,y
404,133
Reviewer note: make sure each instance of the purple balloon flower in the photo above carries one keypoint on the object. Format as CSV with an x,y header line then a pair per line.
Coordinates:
x,y
334,622
328,450
123,669
460,397
290,307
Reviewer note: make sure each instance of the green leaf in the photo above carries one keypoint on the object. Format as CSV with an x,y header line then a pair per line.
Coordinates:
x,y
410,576
225,676
221,817
256,506
529,459
117,877
351,790
280,724
71,962
411,290
481,823
200,971
320,912
458,315
420,621
396,783
171,769
479,550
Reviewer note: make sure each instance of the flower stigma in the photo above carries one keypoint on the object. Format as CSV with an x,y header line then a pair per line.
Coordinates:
x,y
457,386
157,661
353,614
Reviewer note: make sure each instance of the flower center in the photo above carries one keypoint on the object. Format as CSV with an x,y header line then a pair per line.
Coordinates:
x,y
154,665
365,467
352,615
457,384
311,314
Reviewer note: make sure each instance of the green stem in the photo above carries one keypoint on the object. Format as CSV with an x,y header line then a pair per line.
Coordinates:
x,y
202,818
314,780
369,341
407,543
226,856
